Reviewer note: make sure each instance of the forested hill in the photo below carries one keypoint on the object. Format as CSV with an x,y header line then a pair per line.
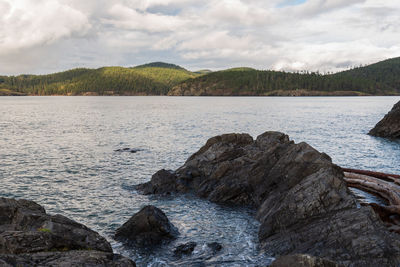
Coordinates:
x,y
161,65
158,78
382,78
151,79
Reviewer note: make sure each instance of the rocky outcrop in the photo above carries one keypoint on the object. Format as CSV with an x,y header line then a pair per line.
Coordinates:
x,y
301,260
389,126
150,226
26,230
302,201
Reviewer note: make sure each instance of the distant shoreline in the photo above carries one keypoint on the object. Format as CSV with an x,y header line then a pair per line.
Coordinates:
x,y
160,78
272,94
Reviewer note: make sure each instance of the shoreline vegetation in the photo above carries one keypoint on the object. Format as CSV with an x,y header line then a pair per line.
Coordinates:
x,y
158,78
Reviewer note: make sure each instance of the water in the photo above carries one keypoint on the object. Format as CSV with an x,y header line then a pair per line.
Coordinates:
x,y
59,151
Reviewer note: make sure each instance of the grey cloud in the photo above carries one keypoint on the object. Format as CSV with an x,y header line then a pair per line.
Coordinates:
x,y
317,35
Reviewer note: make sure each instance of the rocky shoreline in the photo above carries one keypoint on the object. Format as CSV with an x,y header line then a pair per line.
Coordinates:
x,y
302,200
308,215
389,126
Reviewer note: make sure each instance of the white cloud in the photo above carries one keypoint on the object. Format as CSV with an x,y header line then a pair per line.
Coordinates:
x,y
25,24
326,35
131,19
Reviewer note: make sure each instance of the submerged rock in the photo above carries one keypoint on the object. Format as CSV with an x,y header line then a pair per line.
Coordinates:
x,y
214,246
127,149
389,126
150,226
302,201
29,235
185,249
301,260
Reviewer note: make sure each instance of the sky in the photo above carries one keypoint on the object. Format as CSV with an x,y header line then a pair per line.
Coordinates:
x,y
45,36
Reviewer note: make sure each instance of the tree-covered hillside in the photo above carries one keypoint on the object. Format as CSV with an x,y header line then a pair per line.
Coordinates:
x,y
382,78
103,81
160,65
158,78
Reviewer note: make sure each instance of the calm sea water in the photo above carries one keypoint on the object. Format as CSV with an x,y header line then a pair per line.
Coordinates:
x,y
59,151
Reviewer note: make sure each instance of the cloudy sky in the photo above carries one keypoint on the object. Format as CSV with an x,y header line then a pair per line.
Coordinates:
x,y
43,36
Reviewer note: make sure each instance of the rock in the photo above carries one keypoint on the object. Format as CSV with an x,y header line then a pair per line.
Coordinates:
x,y
24,223
127,149
29,235
302,201
69,258
389,126
162,182
150,226
185,249
214,246
301,260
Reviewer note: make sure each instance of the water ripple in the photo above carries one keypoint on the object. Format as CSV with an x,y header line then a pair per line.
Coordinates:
x,y
59,151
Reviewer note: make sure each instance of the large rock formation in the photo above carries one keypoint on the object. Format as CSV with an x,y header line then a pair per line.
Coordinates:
x,y
304,205
150,226
389,126
29,236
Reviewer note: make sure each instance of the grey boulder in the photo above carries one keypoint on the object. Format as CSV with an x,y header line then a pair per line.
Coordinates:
x,y
150,226
29,236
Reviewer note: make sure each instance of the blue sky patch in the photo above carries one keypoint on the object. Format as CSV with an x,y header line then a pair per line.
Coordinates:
x,y
291,3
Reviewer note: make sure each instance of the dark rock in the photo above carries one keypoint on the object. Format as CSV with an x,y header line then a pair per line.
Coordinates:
x,y
30,237
302,201
301,260
150,226
68,258
162,182
214,246
389,126
127,149
185,249
25,227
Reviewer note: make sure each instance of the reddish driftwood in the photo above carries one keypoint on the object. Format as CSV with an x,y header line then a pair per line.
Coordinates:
x,y
383,185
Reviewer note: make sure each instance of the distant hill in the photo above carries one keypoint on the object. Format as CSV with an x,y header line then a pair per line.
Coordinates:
x,y
158,78
382,78
150,79
203,71
160,65
378,78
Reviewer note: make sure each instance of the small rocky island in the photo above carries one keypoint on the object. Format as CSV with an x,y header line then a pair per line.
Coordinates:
x,y
301,197
389,126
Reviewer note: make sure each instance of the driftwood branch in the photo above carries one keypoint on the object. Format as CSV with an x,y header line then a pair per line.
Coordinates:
x,y
385,186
